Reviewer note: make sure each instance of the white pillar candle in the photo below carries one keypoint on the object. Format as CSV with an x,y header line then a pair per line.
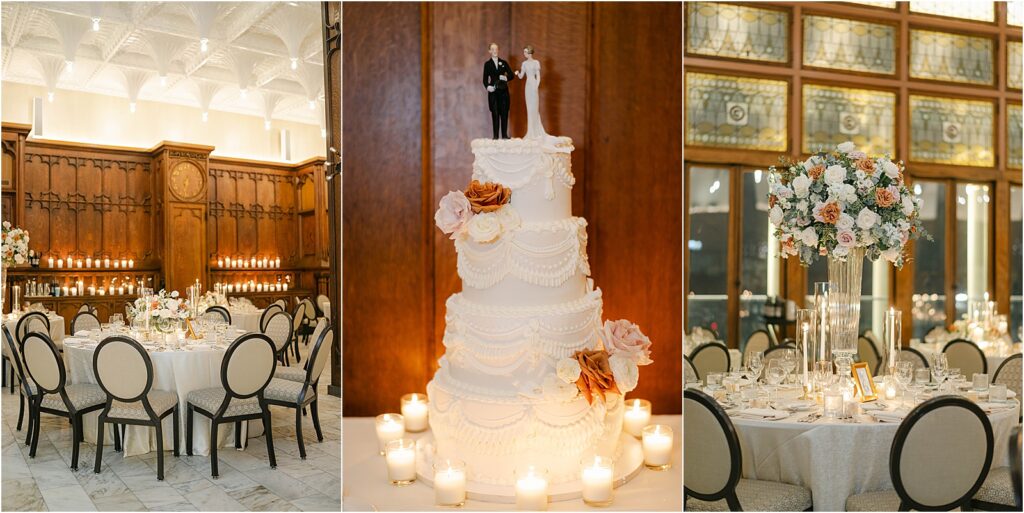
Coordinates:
x,y
401,460
131,263
92,290
220,262
124,263
88,262
60,263
657,445
285,287
65,289
106,263
390,426
636,417
131,289
50,261
450,482
597,480
532,489
277,262
116,264
414,411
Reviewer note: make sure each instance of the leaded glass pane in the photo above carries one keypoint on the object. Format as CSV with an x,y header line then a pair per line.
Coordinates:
x,y
950,57
736,31
1013,64
950,131
849,44
980,11
736,112
1014,119
833,115
1015,13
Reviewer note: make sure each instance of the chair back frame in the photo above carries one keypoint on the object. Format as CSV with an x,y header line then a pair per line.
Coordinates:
x,y
728,492
1009,360
83,315
712,345
142,397
279,352
230,393
19,366
691,366
918,354
962,341
220,310
268,312
312,373
62,374
25,321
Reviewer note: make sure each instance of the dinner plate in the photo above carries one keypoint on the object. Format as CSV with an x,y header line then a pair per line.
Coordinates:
x,y
761,414
799,405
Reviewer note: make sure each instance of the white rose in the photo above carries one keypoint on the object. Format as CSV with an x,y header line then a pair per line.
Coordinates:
x,y
802,206
801,185
840,251
843,192
484,227
835,174
846,147
568,370
866,219
890,169
845,222
775,215
908,205
811,162
809,237
625,372
509,218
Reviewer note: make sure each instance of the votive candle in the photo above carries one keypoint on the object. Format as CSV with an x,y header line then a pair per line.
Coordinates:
x,y
116,264
597,479
277,262
414,411
60,263
131,263
390,426
124,263
79,263
450,482
531,489
88,262
400,456
657,445
106,263
50,261
637,416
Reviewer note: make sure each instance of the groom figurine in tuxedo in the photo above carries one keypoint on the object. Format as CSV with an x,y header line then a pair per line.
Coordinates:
x,y
497,73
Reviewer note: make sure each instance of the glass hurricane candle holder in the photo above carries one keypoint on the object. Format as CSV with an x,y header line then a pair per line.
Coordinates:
x,y
636,416
657,446
597,477
414,411
400,456
531,488
390,426
450,482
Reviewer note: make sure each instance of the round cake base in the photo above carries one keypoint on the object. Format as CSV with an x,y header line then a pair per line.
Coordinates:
x,y
628,465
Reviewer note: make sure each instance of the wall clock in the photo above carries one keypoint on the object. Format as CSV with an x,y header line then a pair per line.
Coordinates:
x,y
186,180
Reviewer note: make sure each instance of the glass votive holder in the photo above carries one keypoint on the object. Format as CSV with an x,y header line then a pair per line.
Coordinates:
x,y
922,376
979,383
531,488
997,393
390,426
657,446
414,411
833,403
597,476
636,417
713,381
450,482
400,456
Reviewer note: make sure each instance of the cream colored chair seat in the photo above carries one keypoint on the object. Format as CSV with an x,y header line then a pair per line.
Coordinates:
x,y
160,400
210,400
81,396
290,373
287,391
997,488
886,500
756,495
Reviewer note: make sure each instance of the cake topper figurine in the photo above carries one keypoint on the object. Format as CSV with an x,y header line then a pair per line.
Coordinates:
x,y
497,73
530,70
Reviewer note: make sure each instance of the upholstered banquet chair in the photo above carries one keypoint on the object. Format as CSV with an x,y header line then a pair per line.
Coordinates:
x,y
282,303
218,313
124,371
86,307
33,322
299,394
909,354
757,342
299,373
940,457
1009,374
279,329
713,466
867,352
84,321
690,374
52,394
966,356
267,312
245,372
312,313
710,357
298,326
324,304
1001,489
25,387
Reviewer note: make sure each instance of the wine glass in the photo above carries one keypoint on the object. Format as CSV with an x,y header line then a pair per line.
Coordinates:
x,y
940,365
904,375
789,359
117,320
775,373
755,364
822,374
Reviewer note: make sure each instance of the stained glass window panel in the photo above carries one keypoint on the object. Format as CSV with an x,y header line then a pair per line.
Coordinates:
x,y
833,115
736,31
1013,63
839,43
736,112
1014,131
978,11
1015,13
950,57
951,131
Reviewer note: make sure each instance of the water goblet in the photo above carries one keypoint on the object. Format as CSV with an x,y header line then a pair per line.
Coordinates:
x,y
789,359
755,364
713,381
940,366
980,384
904,375
775,373
117,320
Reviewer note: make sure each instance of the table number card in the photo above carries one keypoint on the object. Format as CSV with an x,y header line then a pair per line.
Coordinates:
x,y
865,385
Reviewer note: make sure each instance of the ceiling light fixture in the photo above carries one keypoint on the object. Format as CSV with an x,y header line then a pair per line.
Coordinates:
x,y
163,81
266,125
206,116
295,63
49,96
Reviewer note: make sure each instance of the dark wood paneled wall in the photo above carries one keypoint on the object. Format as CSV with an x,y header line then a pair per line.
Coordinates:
x,y
413,101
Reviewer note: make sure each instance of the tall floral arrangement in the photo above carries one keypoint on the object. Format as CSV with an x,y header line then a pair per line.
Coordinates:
x,y
164,307
15,245
835,202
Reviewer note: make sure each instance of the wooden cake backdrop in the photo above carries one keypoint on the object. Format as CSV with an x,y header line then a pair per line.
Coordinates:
x,y
88,200
413,100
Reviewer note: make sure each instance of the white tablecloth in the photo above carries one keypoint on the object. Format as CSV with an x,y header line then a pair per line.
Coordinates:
x,y
246,320
57,329
180,371
835,459
365,486
928,350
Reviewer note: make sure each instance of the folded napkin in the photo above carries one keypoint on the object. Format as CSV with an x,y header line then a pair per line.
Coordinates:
x,y
200,347
763,413
889,415
990,407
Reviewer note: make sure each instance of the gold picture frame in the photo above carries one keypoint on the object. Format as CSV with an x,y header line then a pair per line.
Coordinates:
x,y
863,381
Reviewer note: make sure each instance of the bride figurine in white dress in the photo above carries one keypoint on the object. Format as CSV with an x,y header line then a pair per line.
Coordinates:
x,y
530,70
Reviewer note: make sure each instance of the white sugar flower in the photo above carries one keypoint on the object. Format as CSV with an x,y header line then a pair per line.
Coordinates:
x,y
840,251
558,390
568,370
835,174
866,219
625,372
484,227
509,218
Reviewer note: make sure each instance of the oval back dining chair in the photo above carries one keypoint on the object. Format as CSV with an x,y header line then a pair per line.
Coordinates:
x,y
689,371
86,307
218,311
298,321
1001,489
1015,466
966,356
124,371
279,329
31,322
757,342
1009,373
299,394
867,352
283,303
84,321
324,303
909,354
25,387
53,395
710,357
267,313
713,466
246,370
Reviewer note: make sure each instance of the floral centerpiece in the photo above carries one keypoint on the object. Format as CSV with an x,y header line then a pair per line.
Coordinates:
x,y
163,311
614,369
481,213
14,247
211,298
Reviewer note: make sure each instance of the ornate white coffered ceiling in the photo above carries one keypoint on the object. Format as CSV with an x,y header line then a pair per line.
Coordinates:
x,y
261,58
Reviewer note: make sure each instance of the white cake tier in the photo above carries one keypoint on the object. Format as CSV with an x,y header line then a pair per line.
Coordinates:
x,y
539,175
510,351
537,263
494,436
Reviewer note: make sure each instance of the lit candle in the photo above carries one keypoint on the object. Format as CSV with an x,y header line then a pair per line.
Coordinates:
x,y
131,263
120,290
531,489
65,289
60,263
450,482
131,288
657,445
116,264
50,261
597,480
277,262
103,291
401,460
266,262
637,416
253,262
81,288
124,263
390,426
805,329
220,262
414,411
285,287
833,403
106,263
79,263
92,290
88,262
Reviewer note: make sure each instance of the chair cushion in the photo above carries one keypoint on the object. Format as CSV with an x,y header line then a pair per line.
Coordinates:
x,y
81,395
291,374
210,399
160,400
287,391
886,500
997,488
756,495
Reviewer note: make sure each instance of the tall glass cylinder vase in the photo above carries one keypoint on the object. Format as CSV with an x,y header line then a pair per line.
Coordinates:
x,y
891,340
844,302
819,323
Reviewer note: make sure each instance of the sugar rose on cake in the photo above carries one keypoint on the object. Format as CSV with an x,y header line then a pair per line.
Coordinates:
x,y
481,212
613,369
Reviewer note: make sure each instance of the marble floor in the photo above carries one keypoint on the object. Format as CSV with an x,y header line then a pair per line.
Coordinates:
x,y
246,482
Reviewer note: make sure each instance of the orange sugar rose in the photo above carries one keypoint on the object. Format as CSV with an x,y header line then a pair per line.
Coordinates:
x,y
830,212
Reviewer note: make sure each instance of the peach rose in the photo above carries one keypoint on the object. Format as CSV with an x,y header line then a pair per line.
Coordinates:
x,y
830,212
596,376
884,197
816,171
487,197
771,200
865,164
624,337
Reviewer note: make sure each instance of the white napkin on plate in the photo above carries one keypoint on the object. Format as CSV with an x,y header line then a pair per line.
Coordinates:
x,y
763,413
889,415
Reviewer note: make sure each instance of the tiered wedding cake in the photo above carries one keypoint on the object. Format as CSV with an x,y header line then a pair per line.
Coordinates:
x,y
530,374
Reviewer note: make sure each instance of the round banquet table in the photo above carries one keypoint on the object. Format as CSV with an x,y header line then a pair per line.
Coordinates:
x,y
56,325
992,356
181,371
833,458
245,320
